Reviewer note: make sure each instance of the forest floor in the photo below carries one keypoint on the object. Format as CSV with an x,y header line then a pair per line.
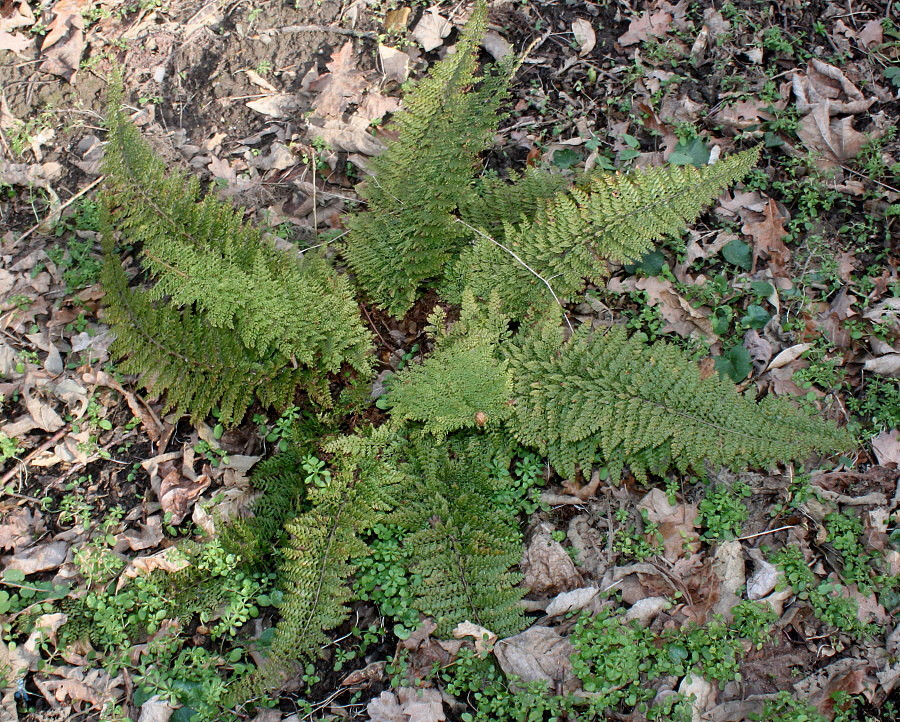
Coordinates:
x,y
788,285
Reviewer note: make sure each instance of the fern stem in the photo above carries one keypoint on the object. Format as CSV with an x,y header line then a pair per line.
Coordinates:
x,y
524,265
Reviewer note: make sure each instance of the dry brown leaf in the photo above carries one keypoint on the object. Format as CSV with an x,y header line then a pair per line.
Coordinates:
x,y
352,136
376,105
394,63
831,319
19,527
566,602
178,493
385,708
168,560
701,693
676,522
788,355
768,240
431,30
836,139
63,58
728,566
886,447
342,86
845,675
16,43
484,638
646,610
681,317
40,558
78,684
887,365
872,34
584,36
146,537
539,654
156,709
421,705
647,26
742,114
20,16
548,569
279,105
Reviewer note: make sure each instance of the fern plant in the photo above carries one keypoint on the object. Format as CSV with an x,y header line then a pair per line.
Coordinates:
x,y
228,318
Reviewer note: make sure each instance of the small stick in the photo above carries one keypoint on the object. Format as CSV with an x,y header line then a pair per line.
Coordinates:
x,y
62,207
763,533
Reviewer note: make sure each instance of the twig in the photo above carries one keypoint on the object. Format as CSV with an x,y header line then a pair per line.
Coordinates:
x,y
62,207
763,533
321,29
24,462
524,265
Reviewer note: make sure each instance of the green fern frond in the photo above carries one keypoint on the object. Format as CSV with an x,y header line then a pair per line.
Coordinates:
x,y
608,217
604,397
197,366
462,383
202,255
281,485
322,542
463,545
409,234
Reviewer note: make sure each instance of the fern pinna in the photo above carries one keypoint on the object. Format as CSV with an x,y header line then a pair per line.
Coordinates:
x,y
264,317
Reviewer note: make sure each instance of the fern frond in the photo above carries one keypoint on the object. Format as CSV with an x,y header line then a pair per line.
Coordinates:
x,y
281,485
604,397
462,383
408,234
202,255
463,545
609,217
318,554
197,366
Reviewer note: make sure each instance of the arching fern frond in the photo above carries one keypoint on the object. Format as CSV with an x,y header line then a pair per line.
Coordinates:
x,y
463,545
604,397
408,234
201,254
197,366
570,238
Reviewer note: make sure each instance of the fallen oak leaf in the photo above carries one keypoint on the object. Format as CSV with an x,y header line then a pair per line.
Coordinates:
x,y
63,58
431,30
341,87
768,240
177,493
646,26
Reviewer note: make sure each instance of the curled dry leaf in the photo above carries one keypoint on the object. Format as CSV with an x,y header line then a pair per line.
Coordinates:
x,y
764,577
178,493
421,705
845,675
352,136
385,708
147,537
538,654
431,30
700,692
566,602
548,569
887,365
886,447
40,558
156,709
78,684
484,638
646,610
792,353
168,560
584,36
